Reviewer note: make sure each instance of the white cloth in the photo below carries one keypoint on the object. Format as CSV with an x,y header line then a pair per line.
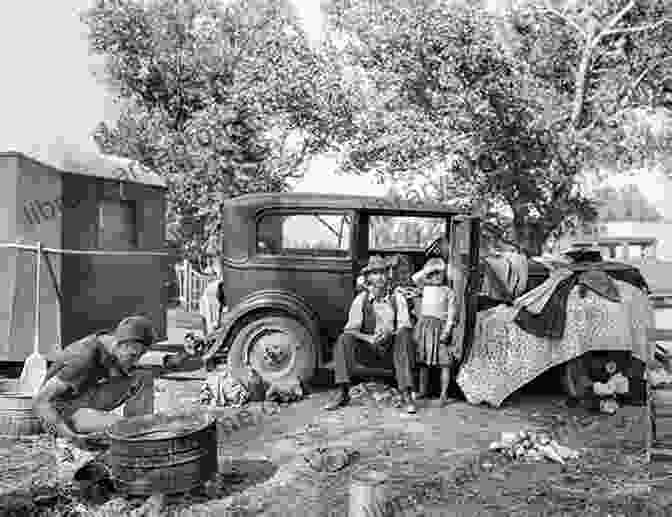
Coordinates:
x,y
209,306
535,300
384,313
438,301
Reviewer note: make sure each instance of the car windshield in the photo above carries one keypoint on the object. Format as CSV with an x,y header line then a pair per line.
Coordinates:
x,y
404,231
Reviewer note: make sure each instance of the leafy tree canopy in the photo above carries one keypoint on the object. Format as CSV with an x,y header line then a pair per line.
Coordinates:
x,y
505,111
219,98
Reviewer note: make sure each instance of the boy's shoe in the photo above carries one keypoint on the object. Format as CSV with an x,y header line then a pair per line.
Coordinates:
x,y
445,400
340,400
410,406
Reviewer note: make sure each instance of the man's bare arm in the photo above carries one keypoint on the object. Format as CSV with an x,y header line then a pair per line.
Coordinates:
x,y
44,408
369,338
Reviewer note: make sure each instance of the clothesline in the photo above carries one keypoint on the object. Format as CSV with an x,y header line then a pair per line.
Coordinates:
x,y
29,247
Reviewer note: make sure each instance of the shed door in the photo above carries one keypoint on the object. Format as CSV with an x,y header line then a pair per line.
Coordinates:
x,y
464,259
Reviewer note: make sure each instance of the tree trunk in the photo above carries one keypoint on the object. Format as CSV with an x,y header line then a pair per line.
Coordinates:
x,y
530,237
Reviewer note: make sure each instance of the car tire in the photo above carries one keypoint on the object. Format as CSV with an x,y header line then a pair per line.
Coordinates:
x,y
279,348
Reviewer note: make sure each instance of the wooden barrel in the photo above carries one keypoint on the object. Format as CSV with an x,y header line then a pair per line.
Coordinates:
x,y
160,453
16,413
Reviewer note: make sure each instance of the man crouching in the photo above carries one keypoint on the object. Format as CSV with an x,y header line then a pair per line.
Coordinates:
x,y
89,379
378,322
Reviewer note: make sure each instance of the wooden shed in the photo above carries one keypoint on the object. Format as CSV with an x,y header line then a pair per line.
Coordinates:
x,y
115,207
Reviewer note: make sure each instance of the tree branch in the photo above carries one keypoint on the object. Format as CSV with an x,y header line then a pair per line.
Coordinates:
x,y
633,86
580,83
629,30
584,66
617,18
566,19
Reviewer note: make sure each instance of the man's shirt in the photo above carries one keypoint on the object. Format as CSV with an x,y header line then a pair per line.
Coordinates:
x,y
83,364
384,310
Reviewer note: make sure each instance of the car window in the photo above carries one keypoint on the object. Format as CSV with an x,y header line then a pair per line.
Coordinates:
x,y
315,234
404,231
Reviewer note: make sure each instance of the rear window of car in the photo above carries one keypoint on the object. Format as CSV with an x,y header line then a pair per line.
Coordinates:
x,y
404,231
313,234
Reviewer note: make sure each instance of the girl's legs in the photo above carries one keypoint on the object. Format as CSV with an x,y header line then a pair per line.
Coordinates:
x,y
423,381
445,384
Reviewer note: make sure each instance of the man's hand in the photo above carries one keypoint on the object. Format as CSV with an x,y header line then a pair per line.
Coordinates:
x,y
381,341
381,337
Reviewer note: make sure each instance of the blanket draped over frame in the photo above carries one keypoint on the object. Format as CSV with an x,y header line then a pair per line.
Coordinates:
x,y
504,357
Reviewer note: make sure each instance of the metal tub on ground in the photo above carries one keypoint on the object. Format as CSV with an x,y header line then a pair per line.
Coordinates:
x,y
167,454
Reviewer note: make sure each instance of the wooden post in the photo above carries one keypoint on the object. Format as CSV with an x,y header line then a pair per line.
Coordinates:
x,y
368,497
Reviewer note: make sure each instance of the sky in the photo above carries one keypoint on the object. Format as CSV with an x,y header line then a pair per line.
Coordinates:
x,y
50,97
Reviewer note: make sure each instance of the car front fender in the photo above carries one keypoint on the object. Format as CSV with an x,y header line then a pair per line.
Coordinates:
x,y
260,302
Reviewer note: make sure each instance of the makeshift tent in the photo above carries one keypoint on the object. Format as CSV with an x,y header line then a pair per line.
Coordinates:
x,y
116,207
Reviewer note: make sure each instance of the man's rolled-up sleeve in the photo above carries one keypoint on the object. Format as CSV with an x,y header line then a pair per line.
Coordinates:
x,y
355,315
403,316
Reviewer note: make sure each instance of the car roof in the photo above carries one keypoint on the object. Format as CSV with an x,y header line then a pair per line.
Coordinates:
x,y
336,201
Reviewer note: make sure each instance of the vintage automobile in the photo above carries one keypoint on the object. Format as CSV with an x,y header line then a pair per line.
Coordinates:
x,y
290,263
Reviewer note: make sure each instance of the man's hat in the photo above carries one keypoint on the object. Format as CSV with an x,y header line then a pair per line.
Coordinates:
x,y
135,328
376,263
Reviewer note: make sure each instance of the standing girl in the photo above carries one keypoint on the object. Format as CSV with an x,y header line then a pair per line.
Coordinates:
x,y
433,330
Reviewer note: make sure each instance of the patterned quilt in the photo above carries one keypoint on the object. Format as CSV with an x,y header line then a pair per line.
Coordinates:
x,y
503,357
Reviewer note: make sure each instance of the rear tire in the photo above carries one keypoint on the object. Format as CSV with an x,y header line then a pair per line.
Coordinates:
x,y
279,348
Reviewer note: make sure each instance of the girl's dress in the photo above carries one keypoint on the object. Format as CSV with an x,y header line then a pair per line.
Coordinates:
x,y
437,309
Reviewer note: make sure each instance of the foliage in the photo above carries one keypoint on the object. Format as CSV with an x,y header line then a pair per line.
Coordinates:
x,y
501,112
219,99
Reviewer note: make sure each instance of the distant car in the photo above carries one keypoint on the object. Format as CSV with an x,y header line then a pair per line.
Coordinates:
x,y
290,263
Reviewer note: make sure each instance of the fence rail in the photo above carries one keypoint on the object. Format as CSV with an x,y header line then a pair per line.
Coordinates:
x,y
192,284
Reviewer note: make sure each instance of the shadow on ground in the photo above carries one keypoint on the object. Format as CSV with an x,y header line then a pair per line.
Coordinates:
x,y
234,477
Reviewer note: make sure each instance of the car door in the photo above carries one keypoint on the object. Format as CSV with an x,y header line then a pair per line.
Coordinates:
x,y
464,232
308,252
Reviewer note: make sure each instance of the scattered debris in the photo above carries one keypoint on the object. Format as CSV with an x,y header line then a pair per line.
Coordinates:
x,y
116,507
532,446
377,393
609,406
285,393
324,459
221,388
659,377
196,345
70,459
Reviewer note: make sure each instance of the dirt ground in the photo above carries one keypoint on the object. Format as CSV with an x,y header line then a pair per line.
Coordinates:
x,y
437,461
